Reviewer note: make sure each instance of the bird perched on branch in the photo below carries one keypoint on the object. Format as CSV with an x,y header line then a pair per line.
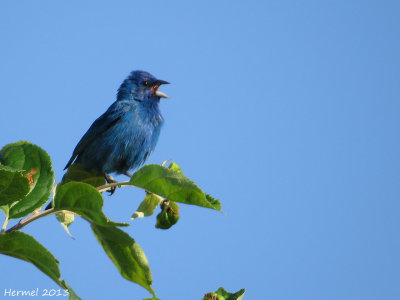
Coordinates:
x,y
123,137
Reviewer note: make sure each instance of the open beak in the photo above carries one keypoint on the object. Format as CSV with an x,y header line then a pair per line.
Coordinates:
x,y
159,93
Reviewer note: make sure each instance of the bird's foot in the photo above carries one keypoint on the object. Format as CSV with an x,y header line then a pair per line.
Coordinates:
x,y
128,174
109,180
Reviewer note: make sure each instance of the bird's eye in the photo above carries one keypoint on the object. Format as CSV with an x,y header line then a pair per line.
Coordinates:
x,y
146,83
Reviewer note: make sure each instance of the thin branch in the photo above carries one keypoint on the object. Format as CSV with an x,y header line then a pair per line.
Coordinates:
x,y
106,187
31,218
50,211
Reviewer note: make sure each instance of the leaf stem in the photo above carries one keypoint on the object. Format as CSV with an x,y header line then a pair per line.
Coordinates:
x,y
31,218
3,229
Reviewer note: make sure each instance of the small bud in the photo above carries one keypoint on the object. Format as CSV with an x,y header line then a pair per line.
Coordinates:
x,y
169,214
213,296
66,218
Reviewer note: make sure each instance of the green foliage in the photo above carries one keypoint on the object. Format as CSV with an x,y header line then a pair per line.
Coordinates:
x,y
66,218
213,296
77,173
174,166
34,162
126,255
5,209
147,207
173,185
14,185
23,246
222,294
168,216
26,183
83,200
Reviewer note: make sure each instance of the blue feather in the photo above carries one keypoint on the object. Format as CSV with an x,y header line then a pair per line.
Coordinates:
x,y
124,136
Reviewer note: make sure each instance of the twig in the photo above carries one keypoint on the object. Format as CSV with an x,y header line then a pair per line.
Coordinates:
x,y
50,211
31,218
105,187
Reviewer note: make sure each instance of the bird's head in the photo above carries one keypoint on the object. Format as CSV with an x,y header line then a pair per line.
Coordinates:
x,y
142,87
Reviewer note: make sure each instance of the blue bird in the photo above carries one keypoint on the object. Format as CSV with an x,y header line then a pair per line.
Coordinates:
x,y
124,136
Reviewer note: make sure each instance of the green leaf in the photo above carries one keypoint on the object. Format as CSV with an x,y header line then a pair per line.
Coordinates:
x,y
174,166
28,157
77,173
230,296
13,185
66,219
126,255
169,215
23,246
5,209
214,202
172,185
213,296
84,200
147,207
72,295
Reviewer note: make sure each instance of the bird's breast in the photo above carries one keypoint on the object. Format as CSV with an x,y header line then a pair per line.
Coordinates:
x,y
135,139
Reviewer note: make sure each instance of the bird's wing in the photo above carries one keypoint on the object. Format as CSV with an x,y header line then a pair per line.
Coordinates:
x,y
107,120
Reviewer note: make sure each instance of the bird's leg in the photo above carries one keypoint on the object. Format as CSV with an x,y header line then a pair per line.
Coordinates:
x,y
128,174
109,179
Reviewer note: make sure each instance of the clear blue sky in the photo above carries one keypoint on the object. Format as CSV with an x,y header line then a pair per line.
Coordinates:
x,y
288,111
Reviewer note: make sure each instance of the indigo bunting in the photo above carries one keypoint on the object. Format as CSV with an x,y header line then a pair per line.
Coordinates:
x,y
124,136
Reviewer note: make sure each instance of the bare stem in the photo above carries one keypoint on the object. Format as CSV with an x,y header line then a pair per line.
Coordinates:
x,y
106,187
50,211
3,229
31,218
